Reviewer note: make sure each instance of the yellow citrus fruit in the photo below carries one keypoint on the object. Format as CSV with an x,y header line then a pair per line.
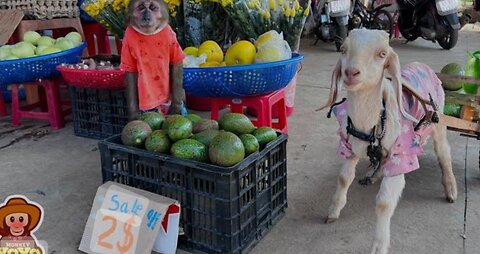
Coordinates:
x,y
211,64
191,51
212,50
241,52
267,38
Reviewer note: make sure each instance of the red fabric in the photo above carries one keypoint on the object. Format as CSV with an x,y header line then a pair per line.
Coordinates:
x,y
151,56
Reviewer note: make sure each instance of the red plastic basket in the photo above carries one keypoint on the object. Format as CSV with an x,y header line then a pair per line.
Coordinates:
x,y
99,79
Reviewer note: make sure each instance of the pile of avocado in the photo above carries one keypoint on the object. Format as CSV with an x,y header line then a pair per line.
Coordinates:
x,y
223,143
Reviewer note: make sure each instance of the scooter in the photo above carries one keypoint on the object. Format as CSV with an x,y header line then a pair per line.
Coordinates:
x,y
332,21
434,20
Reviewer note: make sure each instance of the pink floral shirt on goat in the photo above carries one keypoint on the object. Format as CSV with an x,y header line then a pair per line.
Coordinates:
x,y
402,157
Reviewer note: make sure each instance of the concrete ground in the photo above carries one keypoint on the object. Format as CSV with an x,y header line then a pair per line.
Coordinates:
x,y
62,172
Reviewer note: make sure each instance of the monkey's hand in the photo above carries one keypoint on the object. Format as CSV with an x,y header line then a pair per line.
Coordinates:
x,y
178,94
131,80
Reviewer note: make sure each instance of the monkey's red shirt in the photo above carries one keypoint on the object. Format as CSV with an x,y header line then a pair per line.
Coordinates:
x,y
151,56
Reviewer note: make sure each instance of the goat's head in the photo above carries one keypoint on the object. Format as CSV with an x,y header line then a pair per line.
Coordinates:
x,y
366,54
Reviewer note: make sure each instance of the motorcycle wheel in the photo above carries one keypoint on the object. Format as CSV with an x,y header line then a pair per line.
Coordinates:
x,y
342,33
409,35
382,20
449,39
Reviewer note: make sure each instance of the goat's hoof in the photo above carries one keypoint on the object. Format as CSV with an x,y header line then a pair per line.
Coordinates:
x,y
451,200
329,220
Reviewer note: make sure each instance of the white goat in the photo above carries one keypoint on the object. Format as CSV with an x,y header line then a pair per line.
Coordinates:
x,y
366,55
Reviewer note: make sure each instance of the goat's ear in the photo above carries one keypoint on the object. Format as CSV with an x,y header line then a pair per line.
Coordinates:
x,y
335,84
392,65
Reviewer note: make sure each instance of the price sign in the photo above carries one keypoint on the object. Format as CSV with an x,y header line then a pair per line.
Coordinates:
x,y
124,220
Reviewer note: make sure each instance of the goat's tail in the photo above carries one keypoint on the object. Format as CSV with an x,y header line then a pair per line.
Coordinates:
x,y
335,86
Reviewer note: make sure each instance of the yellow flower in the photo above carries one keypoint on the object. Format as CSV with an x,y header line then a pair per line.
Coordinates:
x,y
226,3
296,5
92,10
266,14
272,4
306,12
126,3
251,4
292,12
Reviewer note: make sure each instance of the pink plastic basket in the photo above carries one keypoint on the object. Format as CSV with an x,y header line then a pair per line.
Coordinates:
x,y
99,79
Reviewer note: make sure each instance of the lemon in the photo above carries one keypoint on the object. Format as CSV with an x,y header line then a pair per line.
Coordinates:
x,y
271,36
241,52
191,51
212,50
211,64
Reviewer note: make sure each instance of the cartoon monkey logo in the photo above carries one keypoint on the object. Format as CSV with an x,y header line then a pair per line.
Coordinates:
x,y
19,218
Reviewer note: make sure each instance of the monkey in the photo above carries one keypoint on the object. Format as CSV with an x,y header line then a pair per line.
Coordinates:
x,y
152,59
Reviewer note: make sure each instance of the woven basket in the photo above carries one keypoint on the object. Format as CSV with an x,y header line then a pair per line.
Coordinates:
x,y
43,9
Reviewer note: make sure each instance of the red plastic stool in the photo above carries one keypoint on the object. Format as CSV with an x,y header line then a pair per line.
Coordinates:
x,y
103,43
49,103
263,105
3,107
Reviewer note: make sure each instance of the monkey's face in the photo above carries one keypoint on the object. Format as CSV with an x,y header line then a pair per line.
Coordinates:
x,y
149,15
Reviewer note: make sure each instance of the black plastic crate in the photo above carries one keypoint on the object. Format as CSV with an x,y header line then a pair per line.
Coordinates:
x,y
224,210
98,113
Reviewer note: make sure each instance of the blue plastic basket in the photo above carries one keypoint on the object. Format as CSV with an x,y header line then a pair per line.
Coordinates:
x,y
239,81
38,67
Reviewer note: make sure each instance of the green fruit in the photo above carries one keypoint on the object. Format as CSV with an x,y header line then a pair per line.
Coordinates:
x,y
23,49
472,69
74,37
206,136
205,124
452,109
153,119
31,36
135,132
226,149
250,143
179,128
452,69
5,52
158,142
50,50
64,44
236,123
168,120
189,149
193,118
264,135
45,41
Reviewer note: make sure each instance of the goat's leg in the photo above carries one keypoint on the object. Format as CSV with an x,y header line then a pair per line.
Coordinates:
x,y
442,149
387,200
345,179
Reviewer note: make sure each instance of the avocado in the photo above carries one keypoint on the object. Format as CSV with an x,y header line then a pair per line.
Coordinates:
x,y
158,142
153,119
135,132
250,143
226,149
179,128
206,136
264,135
237,123
193,118
189,149
205,124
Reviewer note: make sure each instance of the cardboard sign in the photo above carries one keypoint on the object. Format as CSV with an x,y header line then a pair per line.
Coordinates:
x,y
126,220
9,20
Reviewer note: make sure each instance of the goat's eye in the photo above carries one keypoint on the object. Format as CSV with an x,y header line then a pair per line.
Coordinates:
x,y
382,54
343,50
